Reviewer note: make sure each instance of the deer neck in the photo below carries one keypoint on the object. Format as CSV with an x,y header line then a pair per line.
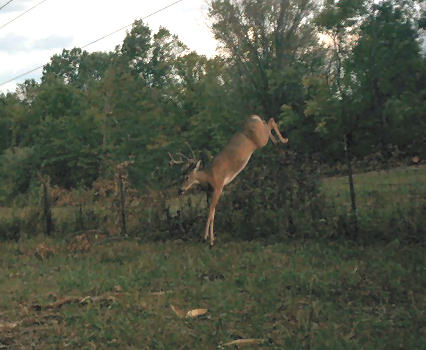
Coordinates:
x,y
202,177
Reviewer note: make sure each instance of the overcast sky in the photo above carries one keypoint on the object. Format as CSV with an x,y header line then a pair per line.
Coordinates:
x,y
32,39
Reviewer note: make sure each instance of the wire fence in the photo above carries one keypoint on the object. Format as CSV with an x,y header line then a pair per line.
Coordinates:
x,y
271,205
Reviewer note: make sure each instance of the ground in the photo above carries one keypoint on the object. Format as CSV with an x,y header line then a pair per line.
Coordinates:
x,y
94,294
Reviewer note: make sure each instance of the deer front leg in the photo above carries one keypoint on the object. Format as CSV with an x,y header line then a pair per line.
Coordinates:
x,y
210,220
211,228
273,125
207,230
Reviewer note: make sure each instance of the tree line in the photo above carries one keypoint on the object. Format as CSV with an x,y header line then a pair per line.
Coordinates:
x,y
344,79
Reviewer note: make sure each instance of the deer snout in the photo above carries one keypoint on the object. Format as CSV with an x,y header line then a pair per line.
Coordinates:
x,y
180,191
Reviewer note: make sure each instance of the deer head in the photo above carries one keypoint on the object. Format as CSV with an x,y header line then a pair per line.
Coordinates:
x,y
190,179
190,167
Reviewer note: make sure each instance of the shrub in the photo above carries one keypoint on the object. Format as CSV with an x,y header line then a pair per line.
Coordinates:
x,y
16,171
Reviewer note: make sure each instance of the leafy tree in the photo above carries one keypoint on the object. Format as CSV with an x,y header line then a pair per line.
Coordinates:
x,y
206,116
339,108
17,168
78,67
67,150
56,99
266,42
271,48
151,57
390,77
63,135
10,111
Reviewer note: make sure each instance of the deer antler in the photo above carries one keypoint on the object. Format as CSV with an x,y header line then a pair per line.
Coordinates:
x,y
192,151
183,159
174,161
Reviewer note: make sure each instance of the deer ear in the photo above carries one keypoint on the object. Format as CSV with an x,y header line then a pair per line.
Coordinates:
x,y
197,166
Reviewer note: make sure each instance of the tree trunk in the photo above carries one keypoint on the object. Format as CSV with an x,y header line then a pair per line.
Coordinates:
x,y
107,114
348,157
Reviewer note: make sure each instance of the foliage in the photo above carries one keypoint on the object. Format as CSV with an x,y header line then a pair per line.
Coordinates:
x,y
390,76
17,170
266,43
375,66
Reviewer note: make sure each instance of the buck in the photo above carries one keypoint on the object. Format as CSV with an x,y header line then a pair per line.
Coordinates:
x,y
230,162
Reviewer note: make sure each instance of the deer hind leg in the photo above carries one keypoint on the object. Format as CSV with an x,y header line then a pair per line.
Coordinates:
x,y
273,125
272,137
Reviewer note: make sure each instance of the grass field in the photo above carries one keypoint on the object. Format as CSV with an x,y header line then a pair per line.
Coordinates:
x,y
88,293
385,188
293,295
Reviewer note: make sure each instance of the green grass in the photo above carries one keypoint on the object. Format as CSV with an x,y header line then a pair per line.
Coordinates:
x,y
391,204
295,295
385,188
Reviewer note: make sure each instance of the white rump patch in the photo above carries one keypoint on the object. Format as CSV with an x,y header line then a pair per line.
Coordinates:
x,y
256,117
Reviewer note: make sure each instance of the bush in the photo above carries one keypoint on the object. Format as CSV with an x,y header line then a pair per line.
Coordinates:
x,y
18,222
16,171
276,197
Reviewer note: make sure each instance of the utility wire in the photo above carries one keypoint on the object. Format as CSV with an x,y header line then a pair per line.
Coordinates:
x,y
128,25
5,4
94,41
23,13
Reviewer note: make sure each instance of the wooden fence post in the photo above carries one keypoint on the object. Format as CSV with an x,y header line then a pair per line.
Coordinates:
x,y
122,200
46,205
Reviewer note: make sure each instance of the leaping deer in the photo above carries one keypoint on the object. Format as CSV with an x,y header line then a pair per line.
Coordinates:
x,y
230,162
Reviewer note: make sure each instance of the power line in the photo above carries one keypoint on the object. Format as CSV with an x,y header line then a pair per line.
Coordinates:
x,y
128,25
23,13
94,41
5,4
22,75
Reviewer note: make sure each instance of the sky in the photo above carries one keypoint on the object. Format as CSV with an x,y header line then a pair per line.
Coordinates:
x,y
46,30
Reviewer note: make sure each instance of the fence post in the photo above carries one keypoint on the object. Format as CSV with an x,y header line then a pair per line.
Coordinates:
x,y
121,178
122,194
46,205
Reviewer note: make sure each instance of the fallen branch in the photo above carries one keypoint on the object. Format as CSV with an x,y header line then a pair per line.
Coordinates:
x,y
75,300
249,341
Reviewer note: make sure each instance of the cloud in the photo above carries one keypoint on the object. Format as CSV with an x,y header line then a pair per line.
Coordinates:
x,y
13,43
16,6
52,42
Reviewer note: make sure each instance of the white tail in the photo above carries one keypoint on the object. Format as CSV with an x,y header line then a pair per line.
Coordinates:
x,y
231,161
